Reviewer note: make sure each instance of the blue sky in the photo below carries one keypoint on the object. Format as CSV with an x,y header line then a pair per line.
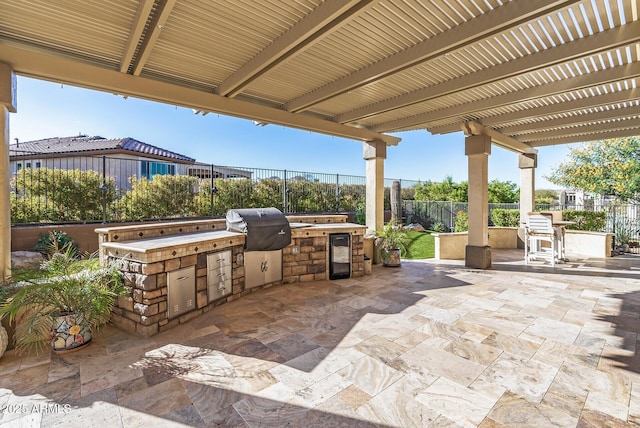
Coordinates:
x,y
48,109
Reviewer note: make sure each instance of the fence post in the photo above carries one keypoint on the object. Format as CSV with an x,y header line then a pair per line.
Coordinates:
x,y
337,192
452,226
213,190
284,192
613,241
104,189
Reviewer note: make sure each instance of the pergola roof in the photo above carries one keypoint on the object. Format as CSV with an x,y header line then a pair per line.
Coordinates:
x,y
529,73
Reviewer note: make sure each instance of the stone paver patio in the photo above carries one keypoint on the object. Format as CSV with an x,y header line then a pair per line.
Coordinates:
x,y
428,344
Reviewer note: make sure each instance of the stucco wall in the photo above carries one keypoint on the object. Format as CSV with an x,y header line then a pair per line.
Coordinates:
x,y
451,246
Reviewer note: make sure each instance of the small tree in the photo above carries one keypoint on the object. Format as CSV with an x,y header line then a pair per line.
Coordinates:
x,y
547,197
606,167
503,192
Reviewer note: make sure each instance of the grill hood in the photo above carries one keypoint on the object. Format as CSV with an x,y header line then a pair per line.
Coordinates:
x,y
265,229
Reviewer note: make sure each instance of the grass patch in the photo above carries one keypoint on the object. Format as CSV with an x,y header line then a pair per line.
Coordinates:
x,y
421,245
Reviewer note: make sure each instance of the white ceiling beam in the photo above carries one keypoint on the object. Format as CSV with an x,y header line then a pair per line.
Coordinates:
x,y
504,141
571,120
30,62
570,51
495,21
137,27
309,30
159,20
591,136
535,113
583,129
558,87
569,106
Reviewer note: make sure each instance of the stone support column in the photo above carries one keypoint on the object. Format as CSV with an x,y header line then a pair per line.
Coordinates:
x,y
527,162
7,104
374,153
478,252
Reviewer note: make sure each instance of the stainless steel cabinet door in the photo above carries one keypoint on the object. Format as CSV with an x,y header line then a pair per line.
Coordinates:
x,y
253,268
181,291
273,266
262,267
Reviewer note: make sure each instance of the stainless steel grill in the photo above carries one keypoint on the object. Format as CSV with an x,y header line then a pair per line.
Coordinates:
x,y
266,229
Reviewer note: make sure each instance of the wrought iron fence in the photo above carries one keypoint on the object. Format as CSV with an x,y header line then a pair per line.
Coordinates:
x,y
620,219
107,189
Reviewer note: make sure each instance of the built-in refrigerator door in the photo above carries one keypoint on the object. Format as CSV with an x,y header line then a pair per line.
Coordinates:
x,y
339,255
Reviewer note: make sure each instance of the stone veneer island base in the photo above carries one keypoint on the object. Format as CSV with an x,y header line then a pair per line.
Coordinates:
x,y
157,255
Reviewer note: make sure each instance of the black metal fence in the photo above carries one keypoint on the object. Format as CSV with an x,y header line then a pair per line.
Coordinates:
x,y
107,189
621,219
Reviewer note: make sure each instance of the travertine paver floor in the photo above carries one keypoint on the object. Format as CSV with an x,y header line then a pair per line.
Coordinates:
x,y
428,344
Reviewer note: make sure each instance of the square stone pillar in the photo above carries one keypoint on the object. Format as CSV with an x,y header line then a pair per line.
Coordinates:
x,y
527,162
374,153
478,252
7,104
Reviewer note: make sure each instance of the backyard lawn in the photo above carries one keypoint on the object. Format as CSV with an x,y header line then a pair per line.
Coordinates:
x,y
421,245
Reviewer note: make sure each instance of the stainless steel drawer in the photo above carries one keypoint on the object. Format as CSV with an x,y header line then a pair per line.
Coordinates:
x,y
181,291
219,275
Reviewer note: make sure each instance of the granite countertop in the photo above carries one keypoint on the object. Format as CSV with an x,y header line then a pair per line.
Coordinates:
x,y
171,246
147,245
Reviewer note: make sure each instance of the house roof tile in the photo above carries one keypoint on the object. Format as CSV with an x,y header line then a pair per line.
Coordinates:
x,y
85,144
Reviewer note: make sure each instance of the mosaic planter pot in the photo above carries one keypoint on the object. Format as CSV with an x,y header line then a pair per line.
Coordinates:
x,y
4,340
391,257
69,333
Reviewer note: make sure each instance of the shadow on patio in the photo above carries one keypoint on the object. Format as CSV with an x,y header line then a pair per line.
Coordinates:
x,y
430,343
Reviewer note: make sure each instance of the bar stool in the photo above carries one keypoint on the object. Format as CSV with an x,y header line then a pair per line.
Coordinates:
x,y
539,229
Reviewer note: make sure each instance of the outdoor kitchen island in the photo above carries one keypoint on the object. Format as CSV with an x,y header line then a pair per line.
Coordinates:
x,y
175,271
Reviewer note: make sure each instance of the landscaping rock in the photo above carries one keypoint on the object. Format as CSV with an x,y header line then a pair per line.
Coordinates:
x,y
25,259
415,227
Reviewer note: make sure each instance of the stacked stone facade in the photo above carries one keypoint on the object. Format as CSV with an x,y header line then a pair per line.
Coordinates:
x,y
144,310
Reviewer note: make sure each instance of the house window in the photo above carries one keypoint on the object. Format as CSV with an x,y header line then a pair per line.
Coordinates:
x,y
28,164
150,168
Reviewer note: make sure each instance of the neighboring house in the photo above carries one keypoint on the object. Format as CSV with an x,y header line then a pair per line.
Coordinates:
x,y
125,157
581,199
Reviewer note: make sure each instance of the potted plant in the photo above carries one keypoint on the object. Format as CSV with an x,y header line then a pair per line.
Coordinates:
x,y
62,303
391,241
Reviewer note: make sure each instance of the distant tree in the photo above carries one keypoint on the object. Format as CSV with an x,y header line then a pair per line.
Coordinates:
x,y
546,197
446,190
606,167
503,192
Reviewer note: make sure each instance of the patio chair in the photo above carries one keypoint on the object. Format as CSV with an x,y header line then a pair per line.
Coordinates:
x,y
538,230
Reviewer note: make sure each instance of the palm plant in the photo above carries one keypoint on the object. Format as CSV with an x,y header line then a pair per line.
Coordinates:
x,y
392,242
62,286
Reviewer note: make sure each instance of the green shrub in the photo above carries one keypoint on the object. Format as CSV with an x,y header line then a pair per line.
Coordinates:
x,y
54,241
505,218
49,195
594,221
163,196
360,216
437,227
461,223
